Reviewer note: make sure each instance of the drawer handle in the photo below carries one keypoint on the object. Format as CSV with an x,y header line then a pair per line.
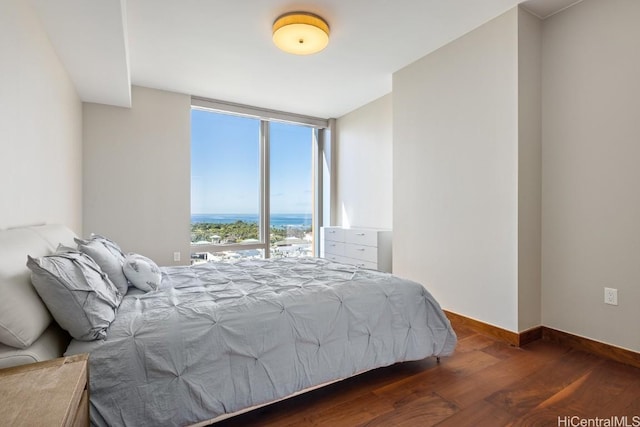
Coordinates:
x,y
332,231
359,234
360,249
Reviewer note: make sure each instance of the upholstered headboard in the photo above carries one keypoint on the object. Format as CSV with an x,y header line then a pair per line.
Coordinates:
x,y
27,330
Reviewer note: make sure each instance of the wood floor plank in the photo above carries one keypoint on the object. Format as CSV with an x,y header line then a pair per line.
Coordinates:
x,y
463,331
351,413
418,410
451,369
475,342
521,398
602,392
633,407
547,350
628,400
554,408
480,414
501,350
485,382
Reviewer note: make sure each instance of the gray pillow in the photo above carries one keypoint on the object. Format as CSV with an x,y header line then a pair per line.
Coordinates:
x,y
108,255
142,272
80,297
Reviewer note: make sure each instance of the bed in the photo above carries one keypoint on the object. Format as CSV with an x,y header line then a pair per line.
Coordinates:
x,y
214,339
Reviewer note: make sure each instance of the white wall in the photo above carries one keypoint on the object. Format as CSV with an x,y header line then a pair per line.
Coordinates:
x,y
137,172
40,126
529,170
591,170
364,166
455,173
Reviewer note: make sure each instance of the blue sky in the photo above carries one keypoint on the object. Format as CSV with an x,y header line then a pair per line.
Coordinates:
x,y
224,165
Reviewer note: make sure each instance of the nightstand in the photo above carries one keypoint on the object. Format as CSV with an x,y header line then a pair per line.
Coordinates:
x,y
50,393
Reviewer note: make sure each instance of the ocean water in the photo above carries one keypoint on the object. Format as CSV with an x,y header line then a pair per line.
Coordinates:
x,y
277,220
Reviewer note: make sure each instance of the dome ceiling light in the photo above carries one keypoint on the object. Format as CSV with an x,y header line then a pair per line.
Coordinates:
x,y
300,33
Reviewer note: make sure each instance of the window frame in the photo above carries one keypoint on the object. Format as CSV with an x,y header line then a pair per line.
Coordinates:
x,y
321,135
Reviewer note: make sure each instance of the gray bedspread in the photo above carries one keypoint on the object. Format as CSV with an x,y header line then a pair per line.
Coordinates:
x,y
217,338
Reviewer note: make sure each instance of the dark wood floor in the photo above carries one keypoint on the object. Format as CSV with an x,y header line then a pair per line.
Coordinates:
x,y
485,383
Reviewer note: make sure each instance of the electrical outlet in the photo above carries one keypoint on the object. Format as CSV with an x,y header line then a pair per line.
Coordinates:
x,y
611,296
176,256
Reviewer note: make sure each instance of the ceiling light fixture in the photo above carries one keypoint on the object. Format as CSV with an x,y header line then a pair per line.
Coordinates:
x,y
300,33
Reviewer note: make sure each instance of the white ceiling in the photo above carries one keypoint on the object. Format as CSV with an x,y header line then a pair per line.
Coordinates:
x,y
222,49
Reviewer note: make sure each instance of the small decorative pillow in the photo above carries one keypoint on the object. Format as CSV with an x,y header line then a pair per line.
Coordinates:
x,y
142,272
108,255
80,297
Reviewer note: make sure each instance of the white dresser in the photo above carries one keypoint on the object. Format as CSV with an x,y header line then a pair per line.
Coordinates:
x,y
364,247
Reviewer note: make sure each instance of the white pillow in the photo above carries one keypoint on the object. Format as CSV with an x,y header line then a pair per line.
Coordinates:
x,y
23,315
143,273
108,255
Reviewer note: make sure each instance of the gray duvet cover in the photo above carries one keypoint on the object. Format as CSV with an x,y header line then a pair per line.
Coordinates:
x,y
217,338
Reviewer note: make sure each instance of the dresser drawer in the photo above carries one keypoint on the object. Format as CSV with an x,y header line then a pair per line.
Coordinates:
x,y
334,248
361,252
351,261
335,234
360,263
361,237
336,258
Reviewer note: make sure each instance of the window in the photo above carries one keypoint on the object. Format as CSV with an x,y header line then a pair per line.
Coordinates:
x,y
291,190
253,187
225,178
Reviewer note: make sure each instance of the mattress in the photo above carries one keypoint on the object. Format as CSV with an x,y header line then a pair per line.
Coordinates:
x,y
217,338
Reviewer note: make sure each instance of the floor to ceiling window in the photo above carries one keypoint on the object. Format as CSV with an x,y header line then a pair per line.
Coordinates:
x,y
291,189
253,191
